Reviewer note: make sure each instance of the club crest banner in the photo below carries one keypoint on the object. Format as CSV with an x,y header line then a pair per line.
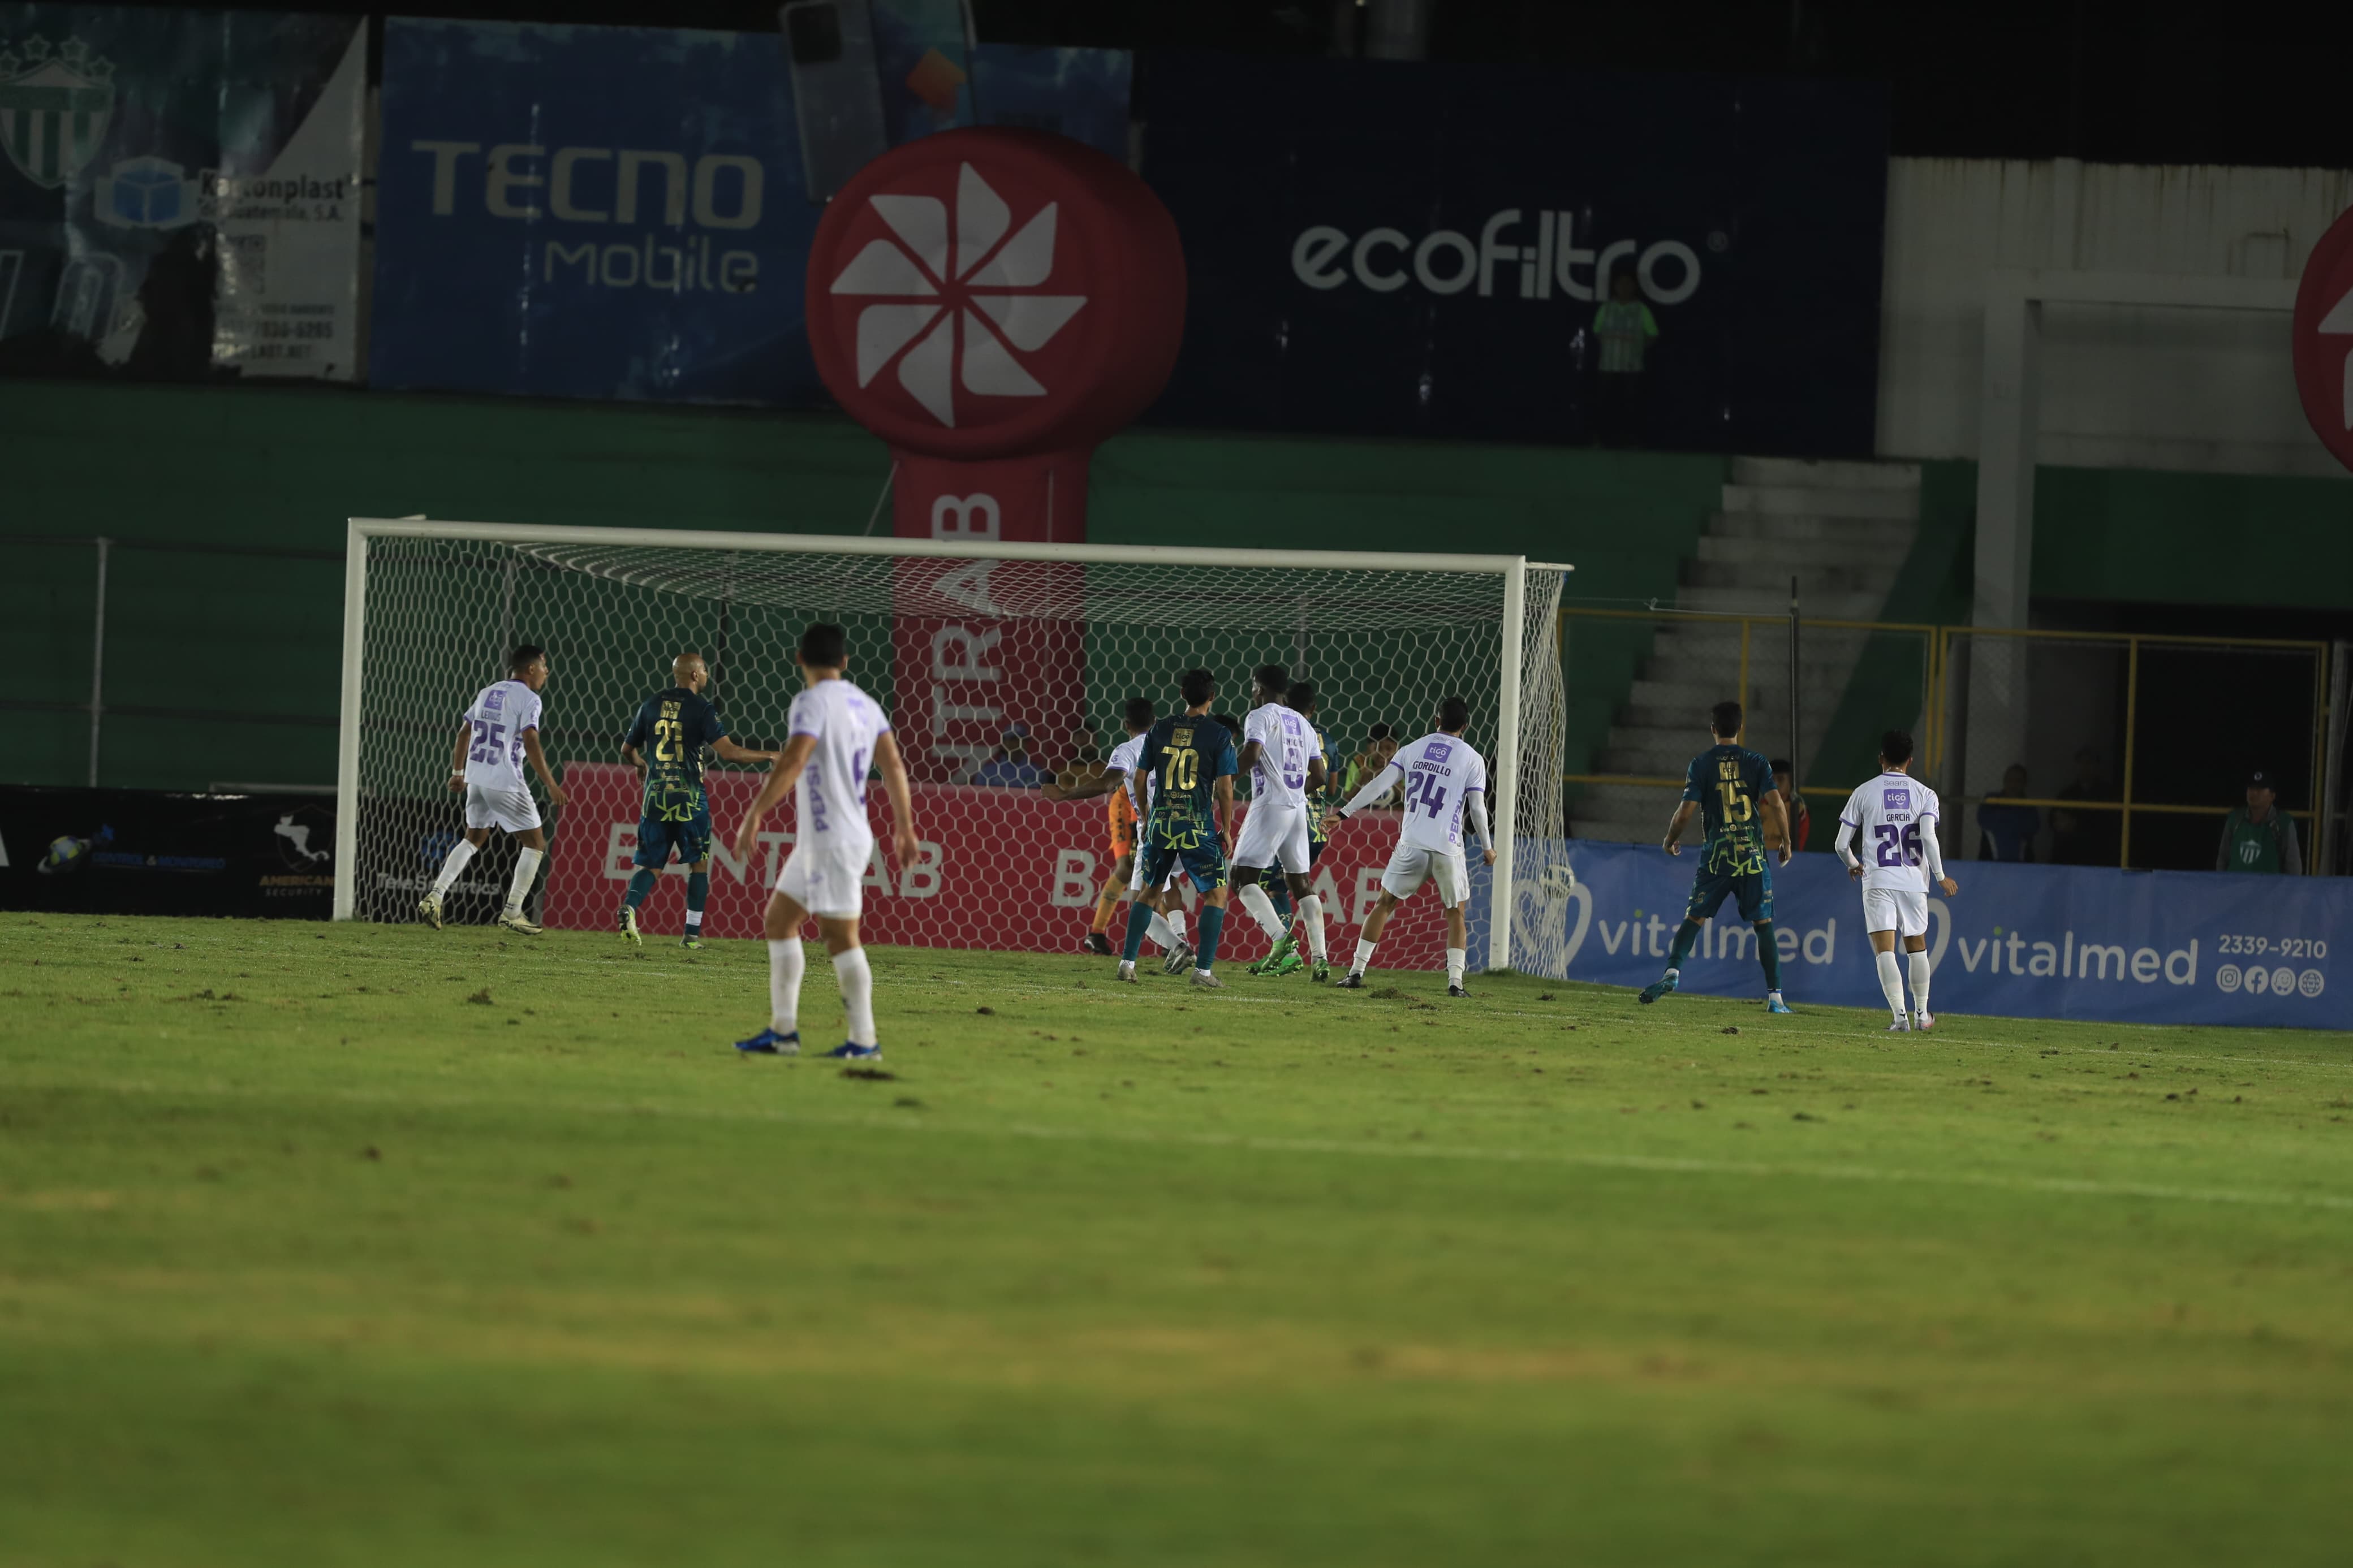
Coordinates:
x,y
180,192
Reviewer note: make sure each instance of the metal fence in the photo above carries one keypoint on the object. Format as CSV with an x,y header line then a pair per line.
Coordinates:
x,y
171,628
2153,736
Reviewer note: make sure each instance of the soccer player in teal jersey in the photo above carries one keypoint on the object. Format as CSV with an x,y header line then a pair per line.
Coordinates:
x,y
666,745
1190,758
1732,789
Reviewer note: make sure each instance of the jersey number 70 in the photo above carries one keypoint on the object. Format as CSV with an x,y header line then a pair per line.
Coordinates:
x,y
1182,770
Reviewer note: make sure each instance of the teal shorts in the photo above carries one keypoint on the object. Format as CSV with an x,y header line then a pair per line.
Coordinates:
x,y
1754,889
657,840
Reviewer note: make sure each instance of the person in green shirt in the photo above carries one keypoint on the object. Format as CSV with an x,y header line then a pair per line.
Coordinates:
x,y
1625,328
2259,837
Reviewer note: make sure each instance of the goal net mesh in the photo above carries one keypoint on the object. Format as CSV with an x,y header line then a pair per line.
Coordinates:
x,y
999,676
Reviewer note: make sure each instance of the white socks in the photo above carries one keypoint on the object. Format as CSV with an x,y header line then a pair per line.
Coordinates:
x,y
1261,909
1177,921
1890,982
1364,957
1161,932
786,962
857,982
452,865
693,921
1920,982
1311,912
1454,957
526,872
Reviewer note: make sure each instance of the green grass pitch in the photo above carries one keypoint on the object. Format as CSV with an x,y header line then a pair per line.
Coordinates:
x,y
369,1245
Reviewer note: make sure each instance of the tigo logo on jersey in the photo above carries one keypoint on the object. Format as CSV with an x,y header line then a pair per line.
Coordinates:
x,y
1894,799
1437,751
964,300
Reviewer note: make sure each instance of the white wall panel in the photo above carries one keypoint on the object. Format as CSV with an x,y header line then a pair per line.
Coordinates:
x,y
2122,387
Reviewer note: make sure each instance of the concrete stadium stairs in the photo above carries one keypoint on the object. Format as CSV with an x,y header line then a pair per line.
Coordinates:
x,y
1843,529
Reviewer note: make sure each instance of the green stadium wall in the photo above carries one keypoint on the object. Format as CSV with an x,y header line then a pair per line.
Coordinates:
x,y
234,638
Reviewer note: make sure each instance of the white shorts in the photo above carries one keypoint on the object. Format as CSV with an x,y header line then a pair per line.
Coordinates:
x,y
512,809
1895,910
827,880
1412,865
1273,835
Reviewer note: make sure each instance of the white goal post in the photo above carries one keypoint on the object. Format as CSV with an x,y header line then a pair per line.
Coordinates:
x,y
1003,665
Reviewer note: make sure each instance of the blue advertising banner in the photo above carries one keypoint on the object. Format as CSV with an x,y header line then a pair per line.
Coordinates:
x,y
625,212
2022,941
590,212
180,191
1425,249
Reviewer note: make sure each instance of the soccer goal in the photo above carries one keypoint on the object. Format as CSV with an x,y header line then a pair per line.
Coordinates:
x,y
1004,667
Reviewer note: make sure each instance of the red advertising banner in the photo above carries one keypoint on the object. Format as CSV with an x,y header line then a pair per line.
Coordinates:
x,y
969,680
1000,868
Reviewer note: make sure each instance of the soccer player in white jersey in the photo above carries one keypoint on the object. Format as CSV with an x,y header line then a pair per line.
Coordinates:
x,y
1122,884
1894,819
497,735
1284,759
1445,782
836,732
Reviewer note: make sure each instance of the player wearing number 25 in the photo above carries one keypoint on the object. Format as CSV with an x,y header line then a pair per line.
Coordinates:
x,y
498,732
1732,789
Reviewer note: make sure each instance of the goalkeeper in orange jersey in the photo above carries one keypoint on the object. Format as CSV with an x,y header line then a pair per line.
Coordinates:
x,y
1120,810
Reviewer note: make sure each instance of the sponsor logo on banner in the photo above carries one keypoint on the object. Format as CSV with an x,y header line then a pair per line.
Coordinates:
x,y
1446,262
2020,940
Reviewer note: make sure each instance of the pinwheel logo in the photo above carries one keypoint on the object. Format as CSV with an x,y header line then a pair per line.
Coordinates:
x,y
954,304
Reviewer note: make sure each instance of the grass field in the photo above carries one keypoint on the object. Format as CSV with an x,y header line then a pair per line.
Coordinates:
x,y
366,1245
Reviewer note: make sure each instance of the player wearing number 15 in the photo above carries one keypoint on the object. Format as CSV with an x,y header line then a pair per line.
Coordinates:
x,y
666,745
496,734
1732,789
1893,818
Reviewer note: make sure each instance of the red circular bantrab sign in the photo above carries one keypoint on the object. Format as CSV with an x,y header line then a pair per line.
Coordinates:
x,y
2324,338
994,293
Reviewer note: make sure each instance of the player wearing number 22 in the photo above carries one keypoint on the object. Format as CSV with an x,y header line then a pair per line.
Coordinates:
x,y
1732,789
666,745
1188,812
498,733
837,731
1894,820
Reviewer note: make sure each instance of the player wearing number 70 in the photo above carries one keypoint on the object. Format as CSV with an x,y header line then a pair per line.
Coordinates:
x,y
498,732
1445,782
1893,817
836,730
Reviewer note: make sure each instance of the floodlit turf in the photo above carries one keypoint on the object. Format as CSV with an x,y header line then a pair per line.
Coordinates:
x,y
366,1245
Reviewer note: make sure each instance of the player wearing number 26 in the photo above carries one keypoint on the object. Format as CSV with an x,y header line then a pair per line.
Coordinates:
x,y
499,732
1892,819
1731,787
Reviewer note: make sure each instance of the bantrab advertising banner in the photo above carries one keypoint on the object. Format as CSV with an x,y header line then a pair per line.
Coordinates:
x,y
1387,248
151,852
1001,868
180,191
2019,941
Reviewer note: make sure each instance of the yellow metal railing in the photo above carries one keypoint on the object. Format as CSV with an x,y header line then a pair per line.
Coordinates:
x,y
1937,741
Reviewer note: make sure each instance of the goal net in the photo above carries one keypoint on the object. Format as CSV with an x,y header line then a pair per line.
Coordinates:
x,y
1003,668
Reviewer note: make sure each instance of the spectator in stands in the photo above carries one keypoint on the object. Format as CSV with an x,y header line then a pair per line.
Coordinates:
x,y
2006,832
1380,745
2088,838
1801,823
1625,327
1011,767
2259,837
